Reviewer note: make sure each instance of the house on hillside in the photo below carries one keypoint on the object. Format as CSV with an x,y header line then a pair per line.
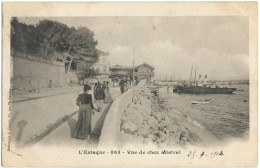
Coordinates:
x,y
101,67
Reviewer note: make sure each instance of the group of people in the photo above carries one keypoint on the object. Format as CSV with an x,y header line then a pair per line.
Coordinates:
x,y
102,93
124,84
86,108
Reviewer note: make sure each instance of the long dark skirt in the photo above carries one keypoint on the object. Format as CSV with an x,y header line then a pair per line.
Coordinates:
x,y
108,98
122,89
99,94
83,127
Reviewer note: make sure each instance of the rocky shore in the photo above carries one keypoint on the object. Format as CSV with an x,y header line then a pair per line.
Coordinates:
x,y
146,121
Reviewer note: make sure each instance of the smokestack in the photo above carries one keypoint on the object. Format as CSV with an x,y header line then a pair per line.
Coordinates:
x,y
205,81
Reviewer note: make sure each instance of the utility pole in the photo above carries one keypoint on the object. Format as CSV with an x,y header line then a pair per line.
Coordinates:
x,y
195,75
133,74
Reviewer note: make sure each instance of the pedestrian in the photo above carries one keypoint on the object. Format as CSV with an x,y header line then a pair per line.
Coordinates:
x,y
102,91
122,86
108,98
94,91
83,127
125,85
99,95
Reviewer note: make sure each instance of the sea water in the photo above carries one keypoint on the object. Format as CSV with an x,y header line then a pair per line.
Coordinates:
x,y
226,116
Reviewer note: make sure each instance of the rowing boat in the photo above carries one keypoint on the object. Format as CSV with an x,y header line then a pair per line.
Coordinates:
x,y
201,101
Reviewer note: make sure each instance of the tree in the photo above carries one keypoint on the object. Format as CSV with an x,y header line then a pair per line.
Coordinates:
x,y
83,46
23,37
86,72
72,44
52,36
55,40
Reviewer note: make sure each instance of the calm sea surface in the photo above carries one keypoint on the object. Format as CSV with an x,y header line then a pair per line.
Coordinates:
x,y
226,116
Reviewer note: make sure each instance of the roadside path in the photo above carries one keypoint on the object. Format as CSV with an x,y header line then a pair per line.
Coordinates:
x,y
44,92
32,120
63,134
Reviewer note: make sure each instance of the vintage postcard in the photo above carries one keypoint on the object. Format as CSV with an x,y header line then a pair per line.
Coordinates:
x,y
120,84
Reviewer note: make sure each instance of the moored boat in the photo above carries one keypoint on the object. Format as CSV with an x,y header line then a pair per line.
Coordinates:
x,y
204,90
201,101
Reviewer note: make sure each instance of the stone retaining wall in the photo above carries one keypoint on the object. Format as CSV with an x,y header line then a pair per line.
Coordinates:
x,y
30,73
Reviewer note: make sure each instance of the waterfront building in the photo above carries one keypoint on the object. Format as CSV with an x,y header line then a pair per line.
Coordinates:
x,y
101,67
121,71
143,71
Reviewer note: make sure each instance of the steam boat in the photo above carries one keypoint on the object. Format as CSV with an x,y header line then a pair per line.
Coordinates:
x,y
201,88
204,90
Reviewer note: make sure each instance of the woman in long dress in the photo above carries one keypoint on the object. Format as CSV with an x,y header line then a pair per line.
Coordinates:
x,y
99,96
108,98
94,91
83,127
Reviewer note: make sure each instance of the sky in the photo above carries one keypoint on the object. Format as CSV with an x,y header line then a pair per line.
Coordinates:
x,y
217,45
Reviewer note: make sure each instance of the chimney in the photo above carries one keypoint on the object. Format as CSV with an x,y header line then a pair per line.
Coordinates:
x,y
205,81
199,78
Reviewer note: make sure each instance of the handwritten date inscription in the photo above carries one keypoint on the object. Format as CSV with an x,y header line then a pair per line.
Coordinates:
x,y
198,155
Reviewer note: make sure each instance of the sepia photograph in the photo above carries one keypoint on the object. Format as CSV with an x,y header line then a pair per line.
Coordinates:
x,y
124,86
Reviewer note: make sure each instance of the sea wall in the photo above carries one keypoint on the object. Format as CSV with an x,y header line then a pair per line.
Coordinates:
x,y
30,73
152,121
146,121
111,128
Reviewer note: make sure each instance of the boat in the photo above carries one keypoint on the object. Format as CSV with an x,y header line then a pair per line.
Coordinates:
x,y
201,88
204,90
201,101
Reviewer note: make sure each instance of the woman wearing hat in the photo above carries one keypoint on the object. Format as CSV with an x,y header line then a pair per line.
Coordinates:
x,y
83,127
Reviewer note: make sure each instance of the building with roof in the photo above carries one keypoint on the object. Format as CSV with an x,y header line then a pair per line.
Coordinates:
x,y
102,67
143,71
119,70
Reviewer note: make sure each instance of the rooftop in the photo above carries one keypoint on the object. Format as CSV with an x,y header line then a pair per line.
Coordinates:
x,y
130,67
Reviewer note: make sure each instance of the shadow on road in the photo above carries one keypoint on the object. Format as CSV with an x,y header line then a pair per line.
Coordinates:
x,y
95,134
72,124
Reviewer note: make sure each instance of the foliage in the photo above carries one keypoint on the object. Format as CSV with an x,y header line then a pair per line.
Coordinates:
x,y
23,37
87,72
54,40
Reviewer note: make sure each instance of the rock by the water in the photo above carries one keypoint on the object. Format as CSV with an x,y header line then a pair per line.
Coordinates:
x,y
145,119
129,128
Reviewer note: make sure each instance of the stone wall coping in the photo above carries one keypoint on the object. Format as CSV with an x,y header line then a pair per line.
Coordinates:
x,y
111,127
37,59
